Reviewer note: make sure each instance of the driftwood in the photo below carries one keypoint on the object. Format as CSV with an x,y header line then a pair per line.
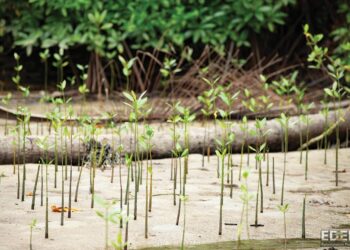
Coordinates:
x,y
162,142
7,113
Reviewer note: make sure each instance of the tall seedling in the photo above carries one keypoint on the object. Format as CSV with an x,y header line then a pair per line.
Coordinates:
x,y
32,225
43,144
244,128
181,154
320,59
206,100
111,215
284,209
186,119
221,153
146,140
284,121
44,56
174,119
5,100
306,119
127,66
215,90
137,106
128,163
24,120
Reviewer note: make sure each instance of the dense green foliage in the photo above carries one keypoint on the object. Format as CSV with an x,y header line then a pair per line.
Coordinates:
x,y
341,36
114,31
103,25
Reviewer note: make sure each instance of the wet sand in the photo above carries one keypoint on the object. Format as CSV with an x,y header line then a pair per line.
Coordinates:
x,y
327,206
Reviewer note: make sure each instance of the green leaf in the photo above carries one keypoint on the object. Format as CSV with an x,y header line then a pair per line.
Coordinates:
x,y
128,96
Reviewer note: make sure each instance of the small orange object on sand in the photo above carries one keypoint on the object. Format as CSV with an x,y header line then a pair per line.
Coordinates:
x,y
59,209
29,194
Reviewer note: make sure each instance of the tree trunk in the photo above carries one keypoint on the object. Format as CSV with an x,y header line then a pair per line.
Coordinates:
x,y
163,144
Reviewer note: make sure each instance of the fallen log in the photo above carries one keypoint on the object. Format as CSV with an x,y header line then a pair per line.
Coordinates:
x,y
162,140
7,113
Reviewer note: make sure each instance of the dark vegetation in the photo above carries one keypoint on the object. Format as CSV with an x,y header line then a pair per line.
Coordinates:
x,y
168,44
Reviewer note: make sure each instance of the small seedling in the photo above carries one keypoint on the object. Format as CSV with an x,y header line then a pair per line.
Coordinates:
x,y
128,163
5,100
303,233
146,140
181,154
43,144
44,56
32,225
137,106
306,119
221,153
273,176
115,216
259,157
1,176
127,65
284,121
284,208
184,199
245,197
244,127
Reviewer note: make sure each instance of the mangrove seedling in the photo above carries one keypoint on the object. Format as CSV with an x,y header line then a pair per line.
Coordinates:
x,y
14,142
5,100
206,100
35,185
83,89
319,58
249,103
303,219
181,154
168,71
24,120
245,197
1,176
128,163
32,225
228,100
60,62
265,104
284,121
85,124
284,209
44,56
18,68
215,91
336,93
115,216
306,119
127,65
244,128
105,215
221,153
146,140
299,97
43,144
325,112
174,119
54,118
273,176
70,114
184,199
186,119
259,157
137,106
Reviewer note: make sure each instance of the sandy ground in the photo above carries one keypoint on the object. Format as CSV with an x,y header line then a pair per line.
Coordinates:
x,y
327,206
